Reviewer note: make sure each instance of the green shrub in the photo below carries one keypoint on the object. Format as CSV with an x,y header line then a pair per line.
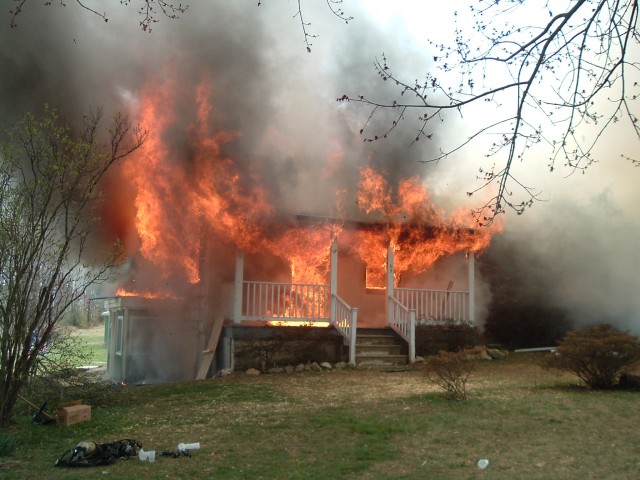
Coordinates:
x,y
451,371
596,355
8,443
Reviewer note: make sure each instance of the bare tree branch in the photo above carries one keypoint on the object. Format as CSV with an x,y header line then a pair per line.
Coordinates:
x,y
560,85
148,10
334,6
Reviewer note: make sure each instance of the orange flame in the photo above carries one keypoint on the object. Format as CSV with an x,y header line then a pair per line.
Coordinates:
x,y
296,323
418,234
176,208
121,292
179,203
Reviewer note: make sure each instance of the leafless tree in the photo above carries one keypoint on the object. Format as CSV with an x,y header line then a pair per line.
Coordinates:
x,y
558,84
148,10
49,191
334,6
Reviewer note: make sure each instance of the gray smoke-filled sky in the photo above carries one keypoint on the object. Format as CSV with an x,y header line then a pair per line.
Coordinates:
x,y
578,250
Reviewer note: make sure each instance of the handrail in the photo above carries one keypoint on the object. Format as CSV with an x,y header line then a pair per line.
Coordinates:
x,y
409,306
346,321
343,317
403,321
400,319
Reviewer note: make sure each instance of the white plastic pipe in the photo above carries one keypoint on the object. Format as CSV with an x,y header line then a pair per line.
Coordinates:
x,y
183,447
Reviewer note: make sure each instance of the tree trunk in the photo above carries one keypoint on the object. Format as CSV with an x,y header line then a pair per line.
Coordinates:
x,y
8,398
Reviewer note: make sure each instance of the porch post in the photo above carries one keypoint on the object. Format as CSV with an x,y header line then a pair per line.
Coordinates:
x,y
353,328
412,336
237,296
334,280
472,288
390,285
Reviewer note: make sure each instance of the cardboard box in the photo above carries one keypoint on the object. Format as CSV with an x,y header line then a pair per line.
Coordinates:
x,y
72,413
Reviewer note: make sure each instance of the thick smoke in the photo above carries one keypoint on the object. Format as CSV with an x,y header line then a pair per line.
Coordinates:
x,y
576,253
266,86
571,261
293,136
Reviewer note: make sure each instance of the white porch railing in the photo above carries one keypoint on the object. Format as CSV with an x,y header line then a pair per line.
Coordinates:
x,y
268,301
403,321
406,306
273,301
435,306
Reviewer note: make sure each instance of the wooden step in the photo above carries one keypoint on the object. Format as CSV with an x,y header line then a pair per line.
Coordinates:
x,y
381,360
391,349
380,348
375,339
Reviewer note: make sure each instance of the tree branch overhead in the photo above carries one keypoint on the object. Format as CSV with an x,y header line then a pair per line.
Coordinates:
x,y
556,85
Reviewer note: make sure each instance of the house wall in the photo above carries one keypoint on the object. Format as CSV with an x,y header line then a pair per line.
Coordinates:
x,y
152,345
263,347
352,289
451,268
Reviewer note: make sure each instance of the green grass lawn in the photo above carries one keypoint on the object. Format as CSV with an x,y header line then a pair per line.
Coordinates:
x,y
357,424
92,344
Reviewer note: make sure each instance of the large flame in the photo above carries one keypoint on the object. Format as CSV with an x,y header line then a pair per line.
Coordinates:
x,y
412,227
181,201
178,203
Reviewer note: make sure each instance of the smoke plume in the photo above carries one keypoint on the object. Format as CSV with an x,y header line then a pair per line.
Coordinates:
x,y
576,253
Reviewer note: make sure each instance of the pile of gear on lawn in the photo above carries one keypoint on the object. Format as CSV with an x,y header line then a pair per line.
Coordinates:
x,y
92,454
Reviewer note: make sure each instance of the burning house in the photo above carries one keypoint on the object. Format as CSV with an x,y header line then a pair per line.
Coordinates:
x,y
160,337
216,255
245,135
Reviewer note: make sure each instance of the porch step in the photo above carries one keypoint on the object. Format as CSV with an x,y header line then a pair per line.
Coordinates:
x,y
380,347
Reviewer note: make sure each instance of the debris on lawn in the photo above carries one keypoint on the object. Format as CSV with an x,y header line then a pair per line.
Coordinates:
x,y
174,453
183,447
43,418
40,417
483,463
147,456
182,451
92,454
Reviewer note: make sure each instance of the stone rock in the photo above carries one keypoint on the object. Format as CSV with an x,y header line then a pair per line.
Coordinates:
x,y
485,356
276,370
315,367
497,353
478,353
307,367
326,366
252,371
300,368
340,366
224,372
289,369
419,359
